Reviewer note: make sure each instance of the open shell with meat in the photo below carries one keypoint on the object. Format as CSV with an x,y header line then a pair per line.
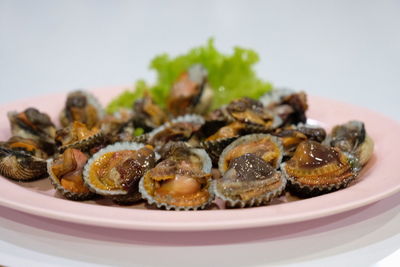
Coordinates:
x,y
179,129
266,146
35,125
66,174
316,169
246,139
83,107
190,93
180,182
352,138
115,170
249,181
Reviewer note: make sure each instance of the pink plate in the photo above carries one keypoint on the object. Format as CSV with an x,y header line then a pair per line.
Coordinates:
x,y
376,182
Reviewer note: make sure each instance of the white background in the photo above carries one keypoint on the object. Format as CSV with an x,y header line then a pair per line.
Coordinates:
x,y
345,50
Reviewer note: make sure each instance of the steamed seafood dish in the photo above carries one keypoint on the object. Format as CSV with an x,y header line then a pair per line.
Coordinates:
x,y
185,154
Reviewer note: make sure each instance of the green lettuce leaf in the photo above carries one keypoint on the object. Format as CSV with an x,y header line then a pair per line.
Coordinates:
x,y
127,98
230,76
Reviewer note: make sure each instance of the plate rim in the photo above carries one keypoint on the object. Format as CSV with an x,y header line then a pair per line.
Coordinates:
x,y
186,224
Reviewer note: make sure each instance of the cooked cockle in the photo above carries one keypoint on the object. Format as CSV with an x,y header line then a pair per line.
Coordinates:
x,y
252,113
351,137
190,93
83,107
66,174
78,136
118,127
32,124
290,139
313,132
179,129
291,136
233,129
290,106
21,166
316,169
26,145
215,144
147,114
266,146
180,182
215,120
249,181
171,148
115,170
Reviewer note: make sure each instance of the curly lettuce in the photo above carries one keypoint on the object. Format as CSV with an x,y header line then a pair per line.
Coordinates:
x,y
230,76
127,98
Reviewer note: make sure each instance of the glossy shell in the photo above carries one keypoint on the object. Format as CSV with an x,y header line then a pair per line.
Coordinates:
x,y
76,135
26,145
216,143
87,143
265,145
315,169
290,106
215,148
35,125
20,166
253,114
162,134
183,200
352,137
290,139
313,132
249,181
82,106
111,185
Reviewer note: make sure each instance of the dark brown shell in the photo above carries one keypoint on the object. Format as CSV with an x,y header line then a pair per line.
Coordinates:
x,y
352,137
82,106
249,181
87,143
147,114
20,166
313,132
290,139
290,106
35,125
179,129
251,112
215,148
315,169
269,146
70,137
27,146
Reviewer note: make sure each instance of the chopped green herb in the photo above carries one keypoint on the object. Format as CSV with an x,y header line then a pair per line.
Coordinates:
x,y
138,131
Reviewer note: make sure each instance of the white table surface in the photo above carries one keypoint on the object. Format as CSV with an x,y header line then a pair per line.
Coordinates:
x,y
343,50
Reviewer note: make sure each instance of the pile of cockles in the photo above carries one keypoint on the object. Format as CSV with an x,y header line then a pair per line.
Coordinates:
x,y
246,153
